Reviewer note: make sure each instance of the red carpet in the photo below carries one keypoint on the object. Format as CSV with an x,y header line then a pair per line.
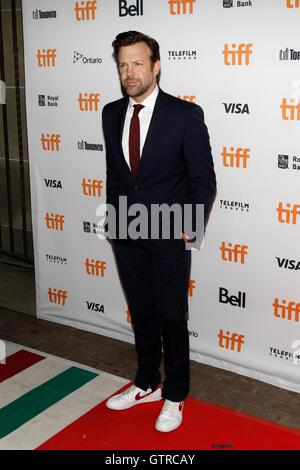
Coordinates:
x,y
18,362
205,427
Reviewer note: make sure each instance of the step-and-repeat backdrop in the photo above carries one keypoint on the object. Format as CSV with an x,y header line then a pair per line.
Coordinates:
x,y
240,62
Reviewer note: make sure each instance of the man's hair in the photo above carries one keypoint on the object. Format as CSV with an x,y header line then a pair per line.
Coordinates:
x,y
132,37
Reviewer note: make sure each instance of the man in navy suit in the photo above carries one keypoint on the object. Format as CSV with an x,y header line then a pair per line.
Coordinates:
x,y
158,153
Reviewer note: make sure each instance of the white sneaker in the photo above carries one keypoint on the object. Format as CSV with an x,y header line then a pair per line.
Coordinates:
x,y
133,396
170,417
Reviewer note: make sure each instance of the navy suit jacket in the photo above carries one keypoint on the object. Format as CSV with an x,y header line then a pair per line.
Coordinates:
x,y
176,164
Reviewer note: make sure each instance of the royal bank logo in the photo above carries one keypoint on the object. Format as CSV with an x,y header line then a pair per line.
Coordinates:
x,y
48,100
43,14
236,108
234,205
283,162
92,227
83,145
231,3
55,259
78,57
94,307
182,54
289,54
131,8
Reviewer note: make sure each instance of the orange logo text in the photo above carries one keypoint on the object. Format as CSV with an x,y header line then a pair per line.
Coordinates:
x,y
288,215
191,98
232,341
181,7
46,57
91,187
293,3
235,254
54,221
95,268
237,55
235,159
50,142
85,11
89,101
288,311
58,297
290,112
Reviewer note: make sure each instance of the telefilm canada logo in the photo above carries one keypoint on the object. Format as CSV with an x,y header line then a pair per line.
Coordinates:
x,y
178,54
278,353
48,101
234,205
232,3
55,259
43,14
79,57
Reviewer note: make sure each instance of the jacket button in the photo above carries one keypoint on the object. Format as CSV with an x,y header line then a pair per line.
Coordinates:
x,y
136,187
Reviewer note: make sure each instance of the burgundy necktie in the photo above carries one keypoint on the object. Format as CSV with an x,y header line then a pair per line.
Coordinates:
x,y
134,139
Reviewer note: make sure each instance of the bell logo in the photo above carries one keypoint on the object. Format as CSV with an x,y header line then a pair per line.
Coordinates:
x,y
57,297
235,301
235,254
191,98
239,159
50,142
54,221
91,187
131,10
46,57
89,101
192,285
288,215
293,3
286,311
290,112
232,341
179,7
95,268
128,316
85,11
237,55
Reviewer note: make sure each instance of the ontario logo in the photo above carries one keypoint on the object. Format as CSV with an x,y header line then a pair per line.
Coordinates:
x,y
77,56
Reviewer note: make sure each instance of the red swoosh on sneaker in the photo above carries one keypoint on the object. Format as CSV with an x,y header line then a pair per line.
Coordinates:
x,y
181,406
139,396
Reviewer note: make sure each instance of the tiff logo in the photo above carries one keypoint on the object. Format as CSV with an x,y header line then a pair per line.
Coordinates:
x,y
89,101
232,341
128,315
293,3
237,55
288,215
2,353
85,11
50,142
46,58
235,301
191,98
290,112
136,9
192,285
95,268
54,221
181,7
235,254
91,187
237,159
288,311
58,297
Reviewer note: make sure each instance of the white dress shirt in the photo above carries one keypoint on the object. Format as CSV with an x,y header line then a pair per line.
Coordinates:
x,y
145,116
